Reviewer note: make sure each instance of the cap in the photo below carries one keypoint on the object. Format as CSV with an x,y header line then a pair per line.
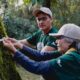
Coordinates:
x,y
44,10
68,30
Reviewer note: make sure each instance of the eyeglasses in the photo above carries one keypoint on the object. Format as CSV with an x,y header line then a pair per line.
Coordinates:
x,y
42,19
60,37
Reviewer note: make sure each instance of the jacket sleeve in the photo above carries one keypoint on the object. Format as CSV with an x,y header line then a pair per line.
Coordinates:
x,y
39,56
31,65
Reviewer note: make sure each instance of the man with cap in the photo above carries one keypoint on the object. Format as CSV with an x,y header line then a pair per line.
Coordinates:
x,y
65,66
41,39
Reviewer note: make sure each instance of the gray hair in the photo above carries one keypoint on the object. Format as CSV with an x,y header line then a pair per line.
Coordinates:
x,y
78,45
73,41
68,40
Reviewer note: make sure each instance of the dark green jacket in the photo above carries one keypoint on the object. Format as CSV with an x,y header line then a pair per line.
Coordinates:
x,y
65,67
39,39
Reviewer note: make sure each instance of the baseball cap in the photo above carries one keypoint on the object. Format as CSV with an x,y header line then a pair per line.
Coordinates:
x,y
44,10
68,30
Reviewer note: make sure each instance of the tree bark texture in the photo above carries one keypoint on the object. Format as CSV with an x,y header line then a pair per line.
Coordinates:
x,y
7,64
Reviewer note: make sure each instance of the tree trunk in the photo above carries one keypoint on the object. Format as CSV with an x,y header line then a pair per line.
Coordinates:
x,y
7,65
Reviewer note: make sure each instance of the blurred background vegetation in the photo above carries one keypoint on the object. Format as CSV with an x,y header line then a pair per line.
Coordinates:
x,y
20,23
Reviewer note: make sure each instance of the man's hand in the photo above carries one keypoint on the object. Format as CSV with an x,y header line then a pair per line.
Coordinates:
x,y
15,42
8,44
18,45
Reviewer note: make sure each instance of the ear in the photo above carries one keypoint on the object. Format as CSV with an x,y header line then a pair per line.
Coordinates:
x,y
51,20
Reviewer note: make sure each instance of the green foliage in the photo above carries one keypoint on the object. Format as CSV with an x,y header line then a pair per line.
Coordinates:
x,y
18,27
26,2
66,11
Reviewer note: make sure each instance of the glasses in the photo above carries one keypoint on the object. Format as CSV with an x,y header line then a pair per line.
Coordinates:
x,y
42,19
60,37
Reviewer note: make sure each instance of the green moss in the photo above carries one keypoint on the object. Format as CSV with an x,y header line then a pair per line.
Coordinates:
x,y
7,65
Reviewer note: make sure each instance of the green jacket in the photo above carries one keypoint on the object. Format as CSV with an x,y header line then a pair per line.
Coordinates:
x,y
39,39
64,67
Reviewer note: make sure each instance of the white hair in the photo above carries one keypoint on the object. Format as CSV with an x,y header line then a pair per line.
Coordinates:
x,y
68,40
71,41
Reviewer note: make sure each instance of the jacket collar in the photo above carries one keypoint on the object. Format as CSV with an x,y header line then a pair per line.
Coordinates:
x,y
70,50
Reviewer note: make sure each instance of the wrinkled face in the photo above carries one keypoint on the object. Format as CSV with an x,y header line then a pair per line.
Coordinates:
x,y
62,44
44,21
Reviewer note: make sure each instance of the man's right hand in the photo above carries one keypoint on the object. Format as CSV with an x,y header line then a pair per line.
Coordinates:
x,y
16,43
8,44
13,40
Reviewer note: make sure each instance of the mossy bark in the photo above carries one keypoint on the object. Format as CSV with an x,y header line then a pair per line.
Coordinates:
x,y
7,64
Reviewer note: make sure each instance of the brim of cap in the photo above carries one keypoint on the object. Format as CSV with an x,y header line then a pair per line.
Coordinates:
x,y
55,34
